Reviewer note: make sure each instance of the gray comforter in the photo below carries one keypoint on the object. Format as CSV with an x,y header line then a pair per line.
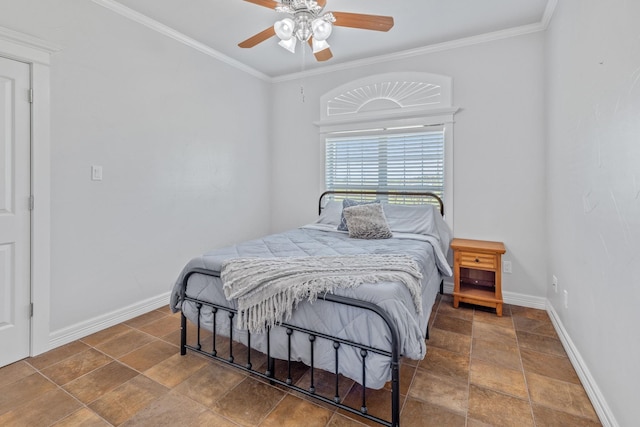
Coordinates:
x,y
332,319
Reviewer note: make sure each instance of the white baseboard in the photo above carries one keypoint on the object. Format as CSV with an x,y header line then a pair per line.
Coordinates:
x,y
80,330
588,382
524,300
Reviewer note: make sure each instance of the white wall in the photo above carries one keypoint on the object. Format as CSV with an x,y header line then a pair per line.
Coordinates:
x,y
499,179
182,138
593,79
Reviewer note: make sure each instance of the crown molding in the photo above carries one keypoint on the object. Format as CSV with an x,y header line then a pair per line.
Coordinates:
x,y
548,13
131,14
439,47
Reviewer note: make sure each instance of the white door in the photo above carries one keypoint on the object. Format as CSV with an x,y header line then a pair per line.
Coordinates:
x,y
15,216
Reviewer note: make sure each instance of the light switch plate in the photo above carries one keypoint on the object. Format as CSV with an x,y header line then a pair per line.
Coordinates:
x,y
96,173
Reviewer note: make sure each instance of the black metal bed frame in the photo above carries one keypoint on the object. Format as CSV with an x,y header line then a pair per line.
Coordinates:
x,y
392,353
369,193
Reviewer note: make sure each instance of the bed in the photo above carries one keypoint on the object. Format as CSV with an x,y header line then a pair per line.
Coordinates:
x,y
355,324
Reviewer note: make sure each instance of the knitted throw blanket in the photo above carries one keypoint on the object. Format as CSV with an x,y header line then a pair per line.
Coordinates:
x,y
268,289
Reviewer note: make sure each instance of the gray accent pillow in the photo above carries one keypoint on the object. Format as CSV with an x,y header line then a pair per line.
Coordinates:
x,y
347,203
367,221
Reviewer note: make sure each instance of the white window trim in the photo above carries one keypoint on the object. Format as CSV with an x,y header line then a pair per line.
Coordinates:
x,y
441,113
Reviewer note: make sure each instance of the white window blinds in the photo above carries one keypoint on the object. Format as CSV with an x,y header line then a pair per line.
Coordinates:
x,y
387,160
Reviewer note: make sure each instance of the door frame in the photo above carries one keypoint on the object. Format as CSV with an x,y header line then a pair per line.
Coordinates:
x,y
37,53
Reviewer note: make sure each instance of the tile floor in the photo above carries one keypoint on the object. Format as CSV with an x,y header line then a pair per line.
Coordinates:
x,y
480,370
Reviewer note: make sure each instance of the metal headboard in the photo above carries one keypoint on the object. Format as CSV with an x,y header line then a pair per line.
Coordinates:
x,y
420,194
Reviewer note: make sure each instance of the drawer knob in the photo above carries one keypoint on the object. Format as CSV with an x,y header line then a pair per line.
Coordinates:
x,y
477,260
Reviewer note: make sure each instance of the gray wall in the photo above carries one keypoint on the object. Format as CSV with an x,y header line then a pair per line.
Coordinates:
x,y
183,141
499,180
593,163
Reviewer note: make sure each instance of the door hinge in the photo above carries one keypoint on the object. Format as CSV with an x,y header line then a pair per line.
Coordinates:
x,y
31,202
31,96
31,310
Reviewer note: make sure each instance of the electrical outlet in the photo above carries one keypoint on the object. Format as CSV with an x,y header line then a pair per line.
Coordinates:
x,y
554,283
506,266
566,298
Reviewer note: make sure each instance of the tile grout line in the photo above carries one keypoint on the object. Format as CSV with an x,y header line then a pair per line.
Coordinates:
x,y
473,325
113,359
61,388
169,389
473,315
526,383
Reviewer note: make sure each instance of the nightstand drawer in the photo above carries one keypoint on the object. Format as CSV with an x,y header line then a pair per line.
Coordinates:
x,y
478,260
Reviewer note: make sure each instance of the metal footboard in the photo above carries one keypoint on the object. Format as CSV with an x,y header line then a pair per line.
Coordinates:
x,y
229,359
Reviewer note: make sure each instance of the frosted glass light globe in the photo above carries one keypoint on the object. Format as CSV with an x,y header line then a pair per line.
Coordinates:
x,y
284,28
321,29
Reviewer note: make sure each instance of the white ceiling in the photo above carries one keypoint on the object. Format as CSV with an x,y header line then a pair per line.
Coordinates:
x,y
220,25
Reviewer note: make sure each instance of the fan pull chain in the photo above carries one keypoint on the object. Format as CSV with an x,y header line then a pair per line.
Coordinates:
x,y
304,52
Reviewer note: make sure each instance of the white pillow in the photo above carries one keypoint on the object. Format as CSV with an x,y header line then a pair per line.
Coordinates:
x,y
331,214
414,219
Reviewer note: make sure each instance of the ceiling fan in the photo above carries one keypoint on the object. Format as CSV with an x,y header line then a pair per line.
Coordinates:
x,y
307,22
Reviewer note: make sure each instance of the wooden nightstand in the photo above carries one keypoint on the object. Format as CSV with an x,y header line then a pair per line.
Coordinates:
x,y
477,274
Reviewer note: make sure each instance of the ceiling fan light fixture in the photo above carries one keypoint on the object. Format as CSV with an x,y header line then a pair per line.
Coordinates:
x,y
284,28
321,29
319,45
289,44
303,29
307,22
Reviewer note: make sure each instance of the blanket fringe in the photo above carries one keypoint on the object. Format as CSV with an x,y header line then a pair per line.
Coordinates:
x,y
269,289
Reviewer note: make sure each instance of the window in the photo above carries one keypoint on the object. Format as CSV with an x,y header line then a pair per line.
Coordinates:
x,y
390,160
390,132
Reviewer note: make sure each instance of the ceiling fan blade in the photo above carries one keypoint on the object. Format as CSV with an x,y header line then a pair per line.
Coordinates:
x,y
266,3
365,22
258,38
321,3
323,55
